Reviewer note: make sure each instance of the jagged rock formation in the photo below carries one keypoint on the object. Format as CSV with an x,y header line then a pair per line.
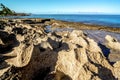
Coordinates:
x,y
64,55
113,44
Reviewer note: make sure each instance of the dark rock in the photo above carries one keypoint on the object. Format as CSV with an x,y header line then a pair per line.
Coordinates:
x,y
18,30
29,21
44,20
9,41
2,25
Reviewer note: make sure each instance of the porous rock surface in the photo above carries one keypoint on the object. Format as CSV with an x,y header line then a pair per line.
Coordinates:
x,y
32,54
113,45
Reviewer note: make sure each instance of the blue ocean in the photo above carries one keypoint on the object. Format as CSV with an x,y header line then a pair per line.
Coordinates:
x,y
105,20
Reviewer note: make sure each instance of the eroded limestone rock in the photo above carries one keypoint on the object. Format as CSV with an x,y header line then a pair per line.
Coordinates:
x,y
62,55
113,45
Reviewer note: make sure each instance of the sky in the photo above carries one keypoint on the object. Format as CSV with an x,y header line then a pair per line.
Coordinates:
x,y
64,6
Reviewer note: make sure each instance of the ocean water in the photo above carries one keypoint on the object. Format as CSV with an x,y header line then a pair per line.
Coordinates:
x,y
105,20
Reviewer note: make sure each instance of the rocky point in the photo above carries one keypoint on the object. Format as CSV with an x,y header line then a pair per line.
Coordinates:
x,y
28,52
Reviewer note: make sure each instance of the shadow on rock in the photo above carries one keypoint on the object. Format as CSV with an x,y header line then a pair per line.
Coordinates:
x,y
53,43
2,25
62,76
8,42
103,72
21,31
36,22
41,64
12,74
104,49
29,21
58,45
42,73
3,64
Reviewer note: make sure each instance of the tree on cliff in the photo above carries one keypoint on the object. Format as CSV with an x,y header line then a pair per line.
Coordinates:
x,y
5,10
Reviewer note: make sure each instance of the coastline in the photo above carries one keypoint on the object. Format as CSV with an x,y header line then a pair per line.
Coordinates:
x,y
58,25
76,25
83,26
31,48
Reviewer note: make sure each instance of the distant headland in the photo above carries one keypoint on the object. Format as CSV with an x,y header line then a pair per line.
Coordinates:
x,y
5,11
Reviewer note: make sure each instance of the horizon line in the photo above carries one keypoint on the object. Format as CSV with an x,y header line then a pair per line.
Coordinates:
x,y
80,13
74,13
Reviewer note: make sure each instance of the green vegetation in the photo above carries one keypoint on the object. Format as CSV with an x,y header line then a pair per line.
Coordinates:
x,y
4,11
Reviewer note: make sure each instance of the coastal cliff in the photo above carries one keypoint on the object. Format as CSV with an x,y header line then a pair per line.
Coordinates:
x,y
29,51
